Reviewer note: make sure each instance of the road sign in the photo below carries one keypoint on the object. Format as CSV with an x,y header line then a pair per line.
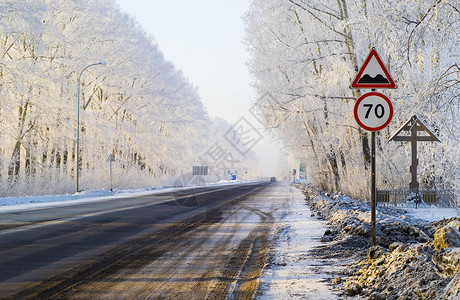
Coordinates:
x,y
200,170
373,74
373,111
302,171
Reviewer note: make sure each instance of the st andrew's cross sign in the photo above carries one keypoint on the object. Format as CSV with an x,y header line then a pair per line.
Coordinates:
x,y
414,125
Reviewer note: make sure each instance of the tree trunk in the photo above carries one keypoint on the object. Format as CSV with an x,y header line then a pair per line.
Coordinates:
x,y
15,165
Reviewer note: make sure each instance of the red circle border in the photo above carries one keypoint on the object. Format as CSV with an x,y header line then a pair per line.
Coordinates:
x,y
355,111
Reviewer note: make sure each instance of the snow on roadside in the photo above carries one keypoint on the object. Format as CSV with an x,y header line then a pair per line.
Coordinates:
x,y
291,272
433,214
413,259
10,204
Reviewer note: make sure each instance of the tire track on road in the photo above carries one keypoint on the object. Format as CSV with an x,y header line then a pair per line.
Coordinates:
x,y
131,258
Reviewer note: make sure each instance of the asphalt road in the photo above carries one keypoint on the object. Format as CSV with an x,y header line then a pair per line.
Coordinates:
x,y
47,253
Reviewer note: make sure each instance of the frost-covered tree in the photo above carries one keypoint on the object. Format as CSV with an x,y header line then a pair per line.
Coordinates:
x,y
305,55
138,107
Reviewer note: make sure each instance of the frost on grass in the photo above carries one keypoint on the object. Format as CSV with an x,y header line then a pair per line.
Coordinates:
x,y
413,259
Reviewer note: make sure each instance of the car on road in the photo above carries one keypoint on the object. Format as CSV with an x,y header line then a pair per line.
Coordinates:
x,y
272,179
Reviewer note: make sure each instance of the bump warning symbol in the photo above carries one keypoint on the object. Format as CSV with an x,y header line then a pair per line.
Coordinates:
x,y
373,74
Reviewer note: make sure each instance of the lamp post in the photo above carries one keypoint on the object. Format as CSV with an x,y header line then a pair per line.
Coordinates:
x,y
77,166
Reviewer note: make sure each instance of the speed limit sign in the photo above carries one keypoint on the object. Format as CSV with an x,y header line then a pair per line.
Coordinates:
x,y
373,111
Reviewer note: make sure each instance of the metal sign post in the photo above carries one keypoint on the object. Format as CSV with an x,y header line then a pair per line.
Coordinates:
x,y
110,159
373,189
373,112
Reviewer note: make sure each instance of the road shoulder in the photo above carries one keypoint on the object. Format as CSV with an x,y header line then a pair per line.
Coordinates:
x,y
292,272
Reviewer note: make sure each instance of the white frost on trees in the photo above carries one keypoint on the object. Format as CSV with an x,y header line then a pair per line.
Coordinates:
x,y
138,107
306,53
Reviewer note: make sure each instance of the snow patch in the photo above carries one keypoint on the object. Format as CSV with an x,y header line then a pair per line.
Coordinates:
x,y
11,204
406,263
433,213
292,273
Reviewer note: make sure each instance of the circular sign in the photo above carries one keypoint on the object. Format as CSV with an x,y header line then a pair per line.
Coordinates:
x,y
373,111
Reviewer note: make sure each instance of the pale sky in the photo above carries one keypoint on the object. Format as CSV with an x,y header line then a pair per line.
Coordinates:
x,y
204,39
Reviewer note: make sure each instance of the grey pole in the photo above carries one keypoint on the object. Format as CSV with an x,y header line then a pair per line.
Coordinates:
x,y
111,181
373,188
373,200
77,164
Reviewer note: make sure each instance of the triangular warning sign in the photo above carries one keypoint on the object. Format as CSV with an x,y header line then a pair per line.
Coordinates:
x,y
373,74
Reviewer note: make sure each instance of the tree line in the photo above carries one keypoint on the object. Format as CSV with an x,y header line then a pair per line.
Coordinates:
x,y
138,107
305,54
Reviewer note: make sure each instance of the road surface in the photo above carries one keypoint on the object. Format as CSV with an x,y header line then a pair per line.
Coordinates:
x,y
178,246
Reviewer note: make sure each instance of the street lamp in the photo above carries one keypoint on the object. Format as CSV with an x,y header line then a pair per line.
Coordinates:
x,y
77,166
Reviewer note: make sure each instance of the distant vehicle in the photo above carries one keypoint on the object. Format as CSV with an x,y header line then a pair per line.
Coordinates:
x,y
273,179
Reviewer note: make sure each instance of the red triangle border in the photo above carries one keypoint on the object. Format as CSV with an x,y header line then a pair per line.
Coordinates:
x,y
390,85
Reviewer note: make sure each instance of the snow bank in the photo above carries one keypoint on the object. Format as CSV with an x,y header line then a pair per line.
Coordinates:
x,y
10,204
405,264
291,272
432,214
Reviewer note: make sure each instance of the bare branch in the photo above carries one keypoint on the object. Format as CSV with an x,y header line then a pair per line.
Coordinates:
x,y
318,19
